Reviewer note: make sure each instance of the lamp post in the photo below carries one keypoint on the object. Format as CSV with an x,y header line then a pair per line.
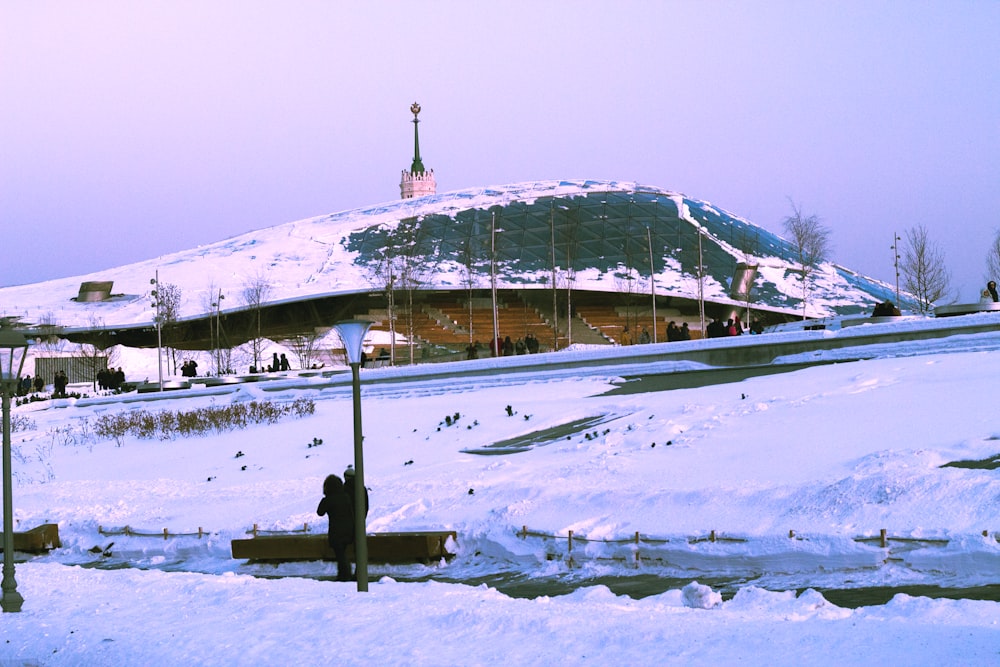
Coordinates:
x,y
497,352
652,277
352,333
895,261
701,283
13,350
155,282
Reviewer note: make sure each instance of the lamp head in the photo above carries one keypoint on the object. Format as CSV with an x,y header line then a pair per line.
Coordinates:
x,y
352,333
13,352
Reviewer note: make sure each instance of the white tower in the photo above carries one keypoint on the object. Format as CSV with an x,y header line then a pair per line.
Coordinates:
x,y
418,181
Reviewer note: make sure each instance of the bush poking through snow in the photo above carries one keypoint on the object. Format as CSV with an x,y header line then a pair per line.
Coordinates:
x,y
167,425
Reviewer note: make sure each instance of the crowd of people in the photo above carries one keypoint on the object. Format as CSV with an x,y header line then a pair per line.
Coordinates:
x,y
504,347
107,378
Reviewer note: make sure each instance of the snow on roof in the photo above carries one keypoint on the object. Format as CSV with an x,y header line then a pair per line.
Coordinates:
x,y
603,231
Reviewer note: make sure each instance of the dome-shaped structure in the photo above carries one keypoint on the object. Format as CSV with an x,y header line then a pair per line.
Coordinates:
x,y
601,236
572,253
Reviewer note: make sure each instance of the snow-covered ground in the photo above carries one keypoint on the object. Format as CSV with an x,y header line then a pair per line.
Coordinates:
x,y
795,473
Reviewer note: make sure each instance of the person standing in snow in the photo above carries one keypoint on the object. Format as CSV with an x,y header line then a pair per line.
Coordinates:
x,y
338,507
626,338
349,487
990,293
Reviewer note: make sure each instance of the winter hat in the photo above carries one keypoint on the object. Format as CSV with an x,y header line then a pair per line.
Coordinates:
x,y
349,472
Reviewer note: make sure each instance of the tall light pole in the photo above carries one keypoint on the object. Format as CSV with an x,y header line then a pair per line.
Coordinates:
x,y
497,352
217,336
352,334
895,261
159,321
701,283
13,351
652,277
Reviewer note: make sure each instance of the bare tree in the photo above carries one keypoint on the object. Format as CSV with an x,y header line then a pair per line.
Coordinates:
x,y
993,259
168,296
811,240
221,351
306,348
924,273
256,291
99,354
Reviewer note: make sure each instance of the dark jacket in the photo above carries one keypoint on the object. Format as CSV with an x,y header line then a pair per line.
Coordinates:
x,y
338,507
349,490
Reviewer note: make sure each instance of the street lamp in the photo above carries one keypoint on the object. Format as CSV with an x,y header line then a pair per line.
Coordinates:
x,y
352,334
701,282
13,350
155,282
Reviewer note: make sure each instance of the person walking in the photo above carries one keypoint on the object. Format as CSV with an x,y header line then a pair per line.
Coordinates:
x,y
338,507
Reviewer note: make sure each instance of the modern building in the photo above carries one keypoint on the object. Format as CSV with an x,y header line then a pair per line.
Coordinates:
x,y
574,261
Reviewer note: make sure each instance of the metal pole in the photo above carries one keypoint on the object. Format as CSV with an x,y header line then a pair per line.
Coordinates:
x,y
652,278
895,261
701,285
555,292
159,339
360,530
493,285
12,600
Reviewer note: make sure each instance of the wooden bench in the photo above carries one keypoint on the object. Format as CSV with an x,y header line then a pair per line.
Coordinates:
x,y
404,547
37,540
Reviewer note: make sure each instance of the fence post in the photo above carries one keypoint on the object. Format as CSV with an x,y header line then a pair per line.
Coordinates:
x,y
711,535
199,532
569,549
637,556
791,534
164,533
882,537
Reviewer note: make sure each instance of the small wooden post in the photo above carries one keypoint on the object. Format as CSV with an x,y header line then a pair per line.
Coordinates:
x,y
986,533
882,537
791,534
637,556
127,530
165,533
199,532
524,532
255,530
711,535
569,549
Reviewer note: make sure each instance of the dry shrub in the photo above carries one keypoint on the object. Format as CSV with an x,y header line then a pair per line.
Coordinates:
x,y
167,425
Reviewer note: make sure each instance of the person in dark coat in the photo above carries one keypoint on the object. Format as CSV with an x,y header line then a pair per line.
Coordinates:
x,y
338,507
991,292
349,487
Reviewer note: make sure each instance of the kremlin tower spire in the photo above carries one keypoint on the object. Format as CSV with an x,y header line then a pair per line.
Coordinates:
x,y
418,181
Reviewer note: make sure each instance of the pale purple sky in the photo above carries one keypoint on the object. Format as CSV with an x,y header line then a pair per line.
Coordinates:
x,y
134,129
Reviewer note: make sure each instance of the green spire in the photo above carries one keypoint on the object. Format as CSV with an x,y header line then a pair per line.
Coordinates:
x,y
417,167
